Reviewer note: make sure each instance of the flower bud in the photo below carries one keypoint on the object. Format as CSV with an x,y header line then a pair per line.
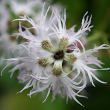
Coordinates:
x,y
63,43
46,45
45,61
69,57
57,69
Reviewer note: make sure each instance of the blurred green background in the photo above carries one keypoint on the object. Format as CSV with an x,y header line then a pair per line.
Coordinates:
x,y
99,96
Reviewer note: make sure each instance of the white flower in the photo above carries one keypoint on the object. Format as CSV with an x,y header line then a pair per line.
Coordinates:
x,y
84,60
63,85
4,17
43,58
26,7
14,9
70,34
6,43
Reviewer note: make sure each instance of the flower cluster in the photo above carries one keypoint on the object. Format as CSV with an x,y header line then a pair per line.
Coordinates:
x,y
9,10
51,59
12,9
